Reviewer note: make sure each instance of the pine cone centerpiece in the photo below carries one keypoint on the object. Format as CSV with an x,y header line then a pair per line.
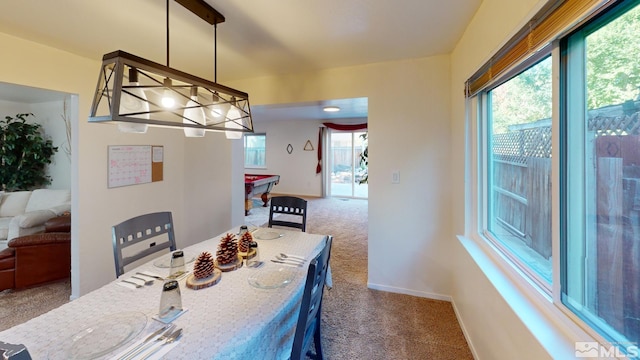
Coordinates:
x,y
227,250
203,267
245,242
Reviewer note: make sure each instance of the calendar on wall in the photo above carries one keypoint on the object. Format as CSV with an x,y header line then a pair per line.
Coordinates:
x,y
134,164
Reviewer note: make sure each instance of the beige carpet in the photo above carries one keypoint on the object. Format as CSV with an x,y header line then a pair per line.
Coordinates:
x,y
19,306
357,323
360,323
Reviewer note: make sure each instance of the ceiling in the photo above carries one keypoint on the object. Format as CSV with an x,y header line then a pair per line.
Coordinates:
x,y
258,38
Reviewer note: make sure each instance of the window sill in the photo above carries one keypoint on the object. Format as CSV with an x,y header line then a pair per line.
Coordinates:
x,y
550,326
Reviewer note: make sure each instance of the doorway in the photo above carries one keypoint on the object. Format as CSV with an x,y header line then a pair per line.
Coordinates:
x,y
348,170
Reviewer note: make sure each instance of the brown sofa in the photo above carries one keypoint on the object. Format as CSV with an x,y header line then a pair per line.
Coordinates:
x,y
38,258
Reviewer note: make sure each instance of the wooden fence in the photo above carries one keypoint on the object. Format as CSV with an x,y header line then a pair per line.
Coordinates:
x,y
522,204
522,185
618,232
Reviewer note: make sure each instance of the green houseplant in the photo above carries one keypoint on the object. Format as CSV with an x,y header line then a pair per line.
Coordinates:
x,y
24,154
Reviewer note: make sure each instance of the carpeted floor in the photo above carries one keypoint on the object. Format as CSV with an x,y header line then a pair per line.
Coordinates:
x,y
19,306
357,322
360,323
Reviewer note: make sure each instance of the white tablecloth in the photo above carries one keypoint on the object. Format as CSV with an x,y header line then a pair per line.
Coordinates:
x,y
230,320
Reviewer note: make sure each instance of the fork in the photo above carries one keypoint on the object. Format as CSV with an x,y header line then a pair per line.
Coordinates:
x,y
132,283
149,338
165,335
146,281
293,260
171,338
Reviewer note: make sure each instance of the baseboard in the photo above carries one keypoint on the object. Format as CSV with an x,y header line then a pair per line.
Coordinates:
x,y
404,291
464,330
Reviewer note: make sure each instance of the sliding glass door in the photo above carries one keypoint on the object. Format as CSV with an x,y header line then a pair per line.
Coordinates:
x,y
348,171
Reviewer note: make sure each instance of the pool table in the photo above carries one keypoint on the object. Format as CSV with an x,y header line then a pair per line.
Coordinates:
x,y
258,184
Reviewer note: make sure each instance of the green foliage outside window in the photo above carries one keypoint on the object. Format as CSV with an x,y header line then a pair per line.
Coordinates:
x,y
613,76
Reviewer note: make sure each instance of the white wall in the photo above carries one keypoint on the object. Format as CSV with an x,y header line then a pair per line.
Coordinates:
x,y
492,327
11,108
48,114
410,220
197,176
297,170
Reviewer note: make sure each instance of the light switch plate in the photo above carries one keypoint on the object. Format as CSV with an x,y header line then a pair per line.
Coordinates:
x,y
395,177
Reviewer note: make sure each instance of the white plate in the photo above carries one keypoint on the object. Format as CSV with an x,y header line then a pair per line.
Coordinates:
x,y
267,235
105,335
272,277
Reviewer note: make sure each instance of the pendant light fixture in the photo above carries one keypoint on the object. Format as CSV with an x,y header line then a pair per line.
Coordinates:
x,y
134,101
136,93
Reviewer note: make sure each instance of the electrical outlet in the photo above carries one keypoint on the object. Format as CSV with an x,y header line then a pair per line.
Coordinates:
x,y
395,177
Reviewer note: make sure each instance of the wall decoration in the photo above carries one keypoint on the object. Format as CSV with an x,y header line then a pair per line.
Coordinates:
x,y
308,146
289,148
131,165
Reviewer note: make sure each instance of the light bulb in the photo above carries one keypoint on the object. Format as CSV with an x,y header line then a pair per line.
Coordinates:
x,y
133,101
167,97
193,112
234,115
220,108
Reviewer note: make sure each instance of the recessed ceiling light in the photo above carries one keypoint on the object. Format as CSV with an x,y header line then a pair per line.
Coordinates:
x,y
331,109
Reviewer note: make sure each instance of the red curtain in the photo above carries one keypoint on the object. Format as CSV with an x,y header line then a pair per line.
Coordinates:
x,y
344,127
319,166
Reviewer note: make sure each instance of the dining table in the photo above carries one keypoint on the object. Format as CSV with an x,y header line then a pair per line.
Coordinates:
x,y
251,313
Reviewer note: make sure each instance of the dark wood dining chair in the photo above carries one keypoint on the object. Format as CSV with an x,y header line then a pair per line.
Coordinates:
x,y
144,231
308,326
289,206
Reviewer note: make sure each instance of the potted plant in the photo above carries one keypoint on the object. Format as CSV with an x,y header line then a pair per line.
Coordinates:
x,y
24,154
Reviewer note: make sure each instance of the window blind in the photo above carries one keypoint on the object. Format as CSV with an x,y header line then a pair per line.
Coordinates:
x,y
556,18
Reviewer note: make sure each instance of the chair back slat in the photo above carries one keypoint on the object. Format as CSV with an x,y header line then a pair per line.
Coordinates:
x,y
142,229
308,326
291,206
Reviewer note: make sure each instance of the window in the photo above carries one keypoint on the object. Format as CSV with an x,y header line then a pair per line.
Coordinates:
x,y
255,151
519,168
601,259
589,263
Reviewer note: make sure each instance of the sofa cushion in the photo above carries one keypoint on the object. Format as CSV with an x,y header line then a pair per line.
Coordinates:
x,y
4,227
47,198
14,203
34,218
61,209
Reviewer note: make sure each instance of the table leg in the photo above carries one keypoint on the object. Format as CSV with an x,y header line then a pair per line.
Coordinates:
x,y
248,204
265,199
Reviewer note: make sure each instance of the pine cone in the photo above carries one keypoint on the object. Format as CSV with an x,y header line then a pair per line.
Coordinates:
x,y
245,242
227,250
203,267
